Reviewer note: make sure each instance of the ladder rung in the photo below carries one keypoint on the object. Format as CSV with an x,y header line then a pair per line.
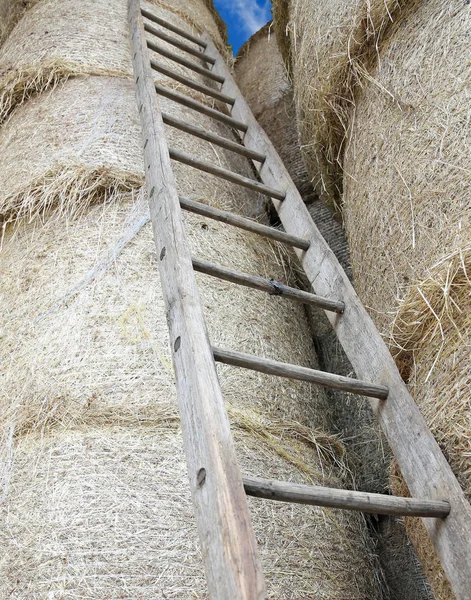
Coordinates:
x,y
184,62
224,216
185,47
273,367
195,105
174,28
266,285
212,137
225,174
380,504
191,83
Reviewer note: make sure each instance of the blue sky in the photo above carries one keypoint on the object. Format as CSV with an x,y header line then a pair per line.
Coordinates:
x,y
243,18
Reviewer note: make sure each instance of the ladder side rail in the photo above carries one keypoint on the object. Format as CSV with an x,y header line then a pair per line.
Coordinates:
x,y
228,543
425,469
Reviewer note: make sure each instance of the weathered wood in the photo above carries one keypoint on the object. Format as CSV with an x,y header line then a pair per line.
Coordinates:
x,y
425,469
274,288
198,106
212,137
279,369
178,44
174,28
242,222
246,182
191,83
184,62
227,540
379,504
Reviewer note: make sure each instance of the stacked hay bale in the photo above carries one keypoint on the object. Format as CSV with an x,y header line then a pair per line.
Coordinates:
x,y
263,80
408,171
323,44
95,499
404,70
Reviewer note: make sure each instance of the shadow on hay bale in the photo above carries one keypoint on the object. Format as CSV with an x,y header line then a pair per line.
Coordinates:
x,y
263,80
95,495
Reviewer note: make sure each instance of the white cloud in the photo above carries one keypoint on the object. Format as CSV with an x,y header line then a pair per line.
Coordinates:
x,y
252,16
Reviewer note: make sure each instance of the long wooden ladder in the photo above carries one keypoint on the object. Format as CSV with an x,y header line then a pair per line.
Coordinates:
x,y
219,493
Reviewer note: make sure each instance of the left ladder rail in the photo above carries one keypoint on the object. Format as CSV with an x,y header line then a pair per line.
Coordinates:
x,y
228,543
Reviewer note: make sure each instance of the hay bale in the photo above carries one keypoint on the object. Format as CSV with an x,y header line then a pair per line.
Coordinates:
x,y
88,403
264,82
325,45
407,211
262,79
68,38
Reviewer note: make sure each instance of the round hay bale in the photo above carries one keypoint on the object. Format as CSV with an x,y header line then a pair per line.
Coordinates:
x,y
68,38
407,208
96,502
325,45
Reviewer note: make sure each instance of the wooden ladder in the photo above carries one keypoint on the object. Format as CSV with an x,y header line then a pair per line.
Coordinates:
x,y
219,493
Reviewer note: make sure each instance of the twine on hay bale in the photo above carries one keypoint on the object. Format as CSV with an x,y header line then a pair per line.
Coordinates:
x,y
407,208
87,390
68,38
325,45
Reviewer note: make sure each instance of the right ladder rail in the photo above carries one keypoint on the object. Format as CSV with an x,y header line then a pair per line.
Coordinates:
x,y
425,469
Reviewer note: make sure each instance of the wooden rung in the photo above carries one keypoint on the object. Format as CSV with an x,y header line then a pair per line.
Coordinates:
x,y
251,184
184,62
266,285
174,28
181,45
191,83
198,106
272,367
212,137
379,504
223,216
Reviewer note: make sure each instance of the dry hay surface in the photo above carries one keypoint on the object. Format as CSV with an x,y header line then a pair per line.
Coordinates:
x,y
67,38
10,13
262,79
88,403
325,45
407,207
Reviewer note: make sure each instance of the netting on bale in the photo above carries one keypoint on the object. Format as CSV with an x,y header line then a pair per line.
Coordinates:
x,y
325,45
95,500
407,206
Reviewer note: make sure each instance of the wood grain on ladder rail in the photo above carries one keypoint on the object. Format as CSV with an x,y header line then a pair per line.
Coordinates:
x,y
227,539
